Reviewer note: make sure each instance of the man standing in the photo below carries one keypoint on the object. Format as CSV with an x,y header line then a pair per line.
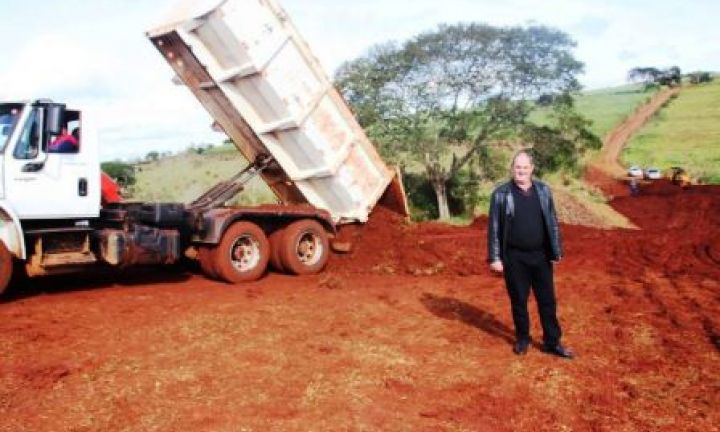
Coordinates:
x,y
523,244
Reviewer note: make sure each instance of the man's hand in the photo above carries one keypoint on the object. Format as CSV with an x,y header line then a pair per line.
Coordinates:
x,y
496,266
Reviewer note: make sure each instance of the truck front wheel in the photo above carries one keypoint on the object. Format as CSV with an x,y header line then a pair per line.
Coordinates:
x,y
305,248
6,267
242,254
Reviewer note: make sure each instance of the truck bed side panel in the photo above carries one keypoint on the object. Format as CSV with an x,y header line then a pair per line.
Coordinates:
x,y
252,71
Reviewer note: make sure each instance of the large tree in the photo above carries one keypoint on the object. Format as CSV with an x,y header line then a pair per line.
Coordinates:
x,y
440,98
652,76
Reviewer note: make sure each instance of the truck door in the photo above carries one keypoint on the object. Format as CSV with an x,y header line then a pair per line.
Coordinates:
x,y
42,184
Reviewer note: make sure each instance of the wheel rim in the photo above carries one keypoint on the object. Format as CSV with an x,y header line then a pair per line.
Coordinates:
x,y
309,249
245,253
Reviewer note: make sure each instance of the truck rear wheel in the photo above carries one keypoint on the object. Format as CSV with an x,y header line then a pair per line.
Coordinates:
x,y
6,267
205,257
305,248
242,254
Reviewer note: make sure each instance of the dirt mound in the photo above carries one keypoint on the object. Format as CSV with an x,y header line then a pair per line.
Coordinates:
x,y
678,234
388,244
679,229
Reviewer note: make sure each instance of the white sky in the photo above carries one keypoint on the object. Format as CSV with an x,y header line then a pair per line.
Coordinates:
x,y
93,53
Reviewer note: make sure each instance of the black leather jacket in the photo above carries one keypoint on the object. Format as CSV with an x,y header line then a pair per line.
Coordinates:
x,y
502,209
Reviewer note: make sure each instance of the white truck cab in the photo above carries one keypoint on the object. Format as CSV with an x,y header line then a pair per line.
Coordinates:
x,y
41,180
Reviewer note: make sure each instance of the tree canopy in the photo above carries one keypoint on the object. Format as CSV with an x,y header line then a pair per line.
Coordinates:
x,y
121,172
652,76
442,97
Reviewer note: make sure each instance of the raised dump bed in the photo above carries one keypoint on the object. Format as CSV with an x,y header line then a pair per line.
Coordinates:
x,y
249,67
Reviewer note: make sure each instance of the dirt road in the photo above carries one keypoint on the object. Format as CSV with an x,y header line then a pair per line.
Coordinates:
x,y
606,171
615,140
408,333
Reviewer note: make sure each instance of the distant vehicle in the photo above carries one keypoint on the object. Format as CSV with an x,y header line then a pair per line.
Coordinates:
x,y
653,174
679,176
635,171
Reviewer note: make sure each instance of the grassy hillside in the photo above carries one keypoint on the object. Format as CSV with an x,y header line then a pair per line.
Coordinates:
x,y
685,133
184,177
605,107
608,107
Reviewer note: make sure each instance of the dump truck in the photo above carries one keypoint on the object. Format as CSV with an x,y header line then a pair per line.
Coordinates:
x,y
250,69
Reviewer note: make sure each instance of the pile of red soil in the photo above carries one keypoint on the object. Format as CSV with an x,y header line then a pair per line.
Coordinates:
x,y
678,234
679,229
389,244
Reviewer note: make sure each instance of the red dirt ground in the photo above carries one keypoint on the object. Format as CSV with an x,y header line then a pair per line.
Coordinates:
x,y
408,332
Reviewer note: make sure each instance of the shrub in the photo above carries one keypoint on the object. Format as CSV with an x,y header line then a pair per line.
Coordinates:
x,y
122,173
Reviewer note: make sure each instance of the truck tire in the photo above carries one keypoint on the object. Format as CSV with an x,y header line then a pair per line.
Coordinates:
x,y
276,242
242,254
305,247
205,258
6,267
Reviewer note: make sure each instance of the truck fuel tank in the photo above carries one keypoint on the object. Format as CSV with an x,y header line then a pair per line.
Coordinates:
x,y
141,245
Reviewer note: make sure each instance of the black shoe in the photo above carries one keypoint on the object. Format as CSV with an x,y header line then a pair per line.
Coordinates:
x,y
559,351
521,347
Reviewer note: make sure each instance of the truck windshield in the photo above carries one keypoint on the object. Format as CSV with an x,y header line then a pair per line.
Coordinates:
x,y
9,115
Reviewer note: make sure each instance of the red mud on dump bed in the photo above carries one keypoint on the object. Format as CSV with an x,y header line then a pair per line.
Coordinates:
x,y
408,332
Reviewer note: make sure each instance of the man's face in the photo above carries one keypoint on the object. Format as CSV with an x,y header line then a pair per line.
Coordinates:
x,y
522,169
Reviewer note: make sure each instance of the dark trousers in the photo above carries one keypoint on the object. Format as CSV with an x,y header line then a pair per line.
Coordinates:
x,y
524,270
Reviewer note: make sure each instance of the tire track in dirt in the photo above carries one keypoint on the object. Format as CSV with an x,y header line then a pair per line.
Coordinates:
x,y
655,256
700,309
666,268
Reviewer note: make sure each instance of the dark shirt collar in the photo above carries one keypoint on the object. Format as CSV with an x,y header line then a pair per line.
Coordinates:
x,y
517,188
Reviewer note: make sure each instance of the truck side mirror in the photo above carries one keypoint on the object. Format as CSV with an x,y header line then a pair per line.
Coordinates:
x,y
55,116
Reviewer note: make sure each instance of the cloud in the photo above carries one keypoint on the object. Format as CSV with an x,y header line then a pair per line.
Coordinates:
x,y
167,119
626,55
129,97
591,26
58,66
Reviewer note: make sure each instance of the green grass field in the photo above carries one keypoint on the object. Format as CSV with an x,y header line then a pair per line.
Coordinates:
x,y
184,177
685,133
608,107
604,107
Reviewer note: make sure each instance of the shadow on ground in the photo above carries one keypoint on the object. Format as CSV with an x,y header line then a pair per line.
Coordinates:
x,y
453,309
89,279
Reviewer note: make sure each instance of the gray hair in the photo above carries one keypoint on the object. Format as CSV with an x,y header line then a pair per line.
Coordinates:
x,y
525,152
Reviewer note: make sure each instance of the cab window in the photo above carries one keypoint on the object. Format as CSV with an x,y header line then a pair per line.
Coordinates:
x,y
9,115
28,144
